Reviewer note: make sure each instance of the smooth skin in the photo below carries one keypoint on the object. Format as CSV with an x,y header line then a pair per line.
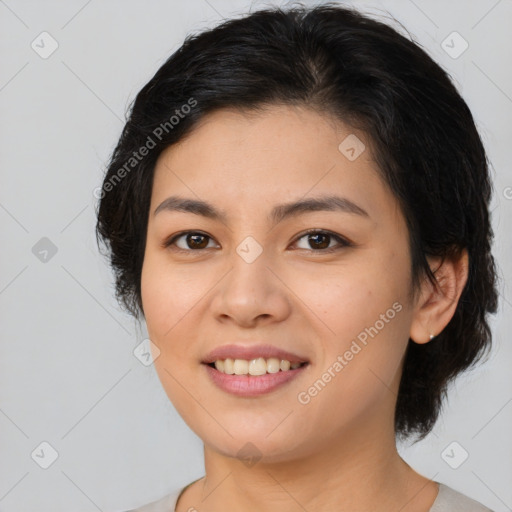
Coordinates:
x,y
337,452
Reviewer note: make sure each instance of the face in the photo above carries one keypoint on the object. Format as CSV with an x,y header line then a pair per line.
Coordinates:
x,y
337,297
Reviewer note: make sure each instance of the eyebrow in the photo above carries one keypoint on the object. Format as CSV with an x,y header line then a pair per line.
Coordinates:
x,y
278,213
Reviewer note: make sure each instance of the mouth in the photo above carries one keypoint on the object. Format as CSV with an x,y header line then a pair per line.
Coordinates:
x,y
245,384
282,367
250,352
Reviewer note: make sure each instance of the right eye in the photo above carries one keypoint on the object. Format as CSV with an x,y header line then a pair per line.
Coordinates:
x,y
193,240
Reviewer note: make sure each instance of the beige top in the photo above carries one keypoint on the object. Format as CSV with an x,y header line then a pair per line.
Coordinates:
x,y
447,500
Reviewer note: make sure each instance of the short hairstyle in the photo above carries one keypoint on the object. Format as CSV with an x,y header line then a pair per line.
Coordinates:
x,y
363,72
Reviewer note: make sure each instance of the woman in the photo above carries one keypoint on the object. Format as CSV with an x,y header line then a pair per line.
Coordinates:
x,y
298,207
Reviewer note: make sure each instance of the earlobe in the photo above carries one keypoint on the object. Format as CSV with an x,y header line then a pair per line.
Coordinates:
x,y
437,304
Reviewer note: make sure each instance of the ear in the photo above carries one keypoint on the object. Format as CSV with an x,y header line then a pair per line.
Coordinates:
x,y
436,305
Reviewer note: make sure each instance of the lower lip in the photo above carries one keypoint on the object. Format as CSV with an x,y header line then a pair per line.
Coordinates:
x,y
252,385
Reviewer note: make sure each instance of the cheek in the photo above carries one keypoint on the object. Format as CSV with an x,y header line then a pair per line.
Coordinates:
x,y
361,311
362,350
166,296
166,299
352,296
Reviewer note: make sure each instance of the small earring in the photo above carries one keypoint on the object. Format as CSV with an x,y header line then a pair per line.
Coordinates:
x,y
432,336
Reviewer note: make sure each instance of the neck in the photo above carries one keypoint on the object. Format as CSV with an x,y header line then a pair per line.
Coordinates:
x,y
362,471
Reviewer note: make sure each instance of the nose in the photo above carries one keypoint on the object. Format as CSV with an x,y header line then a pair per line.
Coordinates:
x,y
251,292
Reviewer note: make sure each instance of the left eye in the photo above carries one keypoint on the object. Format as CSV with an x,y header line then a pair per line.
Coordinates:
x,y
320,239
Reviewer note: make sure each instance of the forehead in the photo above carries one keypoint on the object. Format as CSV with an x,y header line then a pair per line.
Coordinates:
x,y
293,132
259,159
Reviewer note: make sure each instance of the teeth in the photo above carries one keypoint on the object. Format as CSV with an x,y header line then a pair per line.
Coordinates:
x,y
259,366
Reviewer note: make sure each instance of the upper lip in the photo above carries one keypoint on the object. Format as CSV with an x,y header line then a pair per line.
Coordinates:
x,y
250,352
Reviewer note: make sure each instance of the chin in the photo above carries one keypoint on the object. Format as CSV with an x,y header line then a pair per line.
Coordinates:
x,y
253,450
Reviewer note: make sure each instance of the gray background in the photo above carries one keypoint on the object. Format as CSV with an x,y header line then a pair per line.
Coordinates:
x,y
68,375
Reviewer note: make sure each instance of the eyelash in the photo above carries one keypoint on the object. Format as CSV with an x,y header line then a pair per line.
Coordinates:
x,y
342,241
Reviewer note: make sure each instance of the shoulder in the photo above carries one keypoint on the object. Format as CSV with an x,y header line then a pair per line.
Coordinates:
x,y
165,504
450,500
